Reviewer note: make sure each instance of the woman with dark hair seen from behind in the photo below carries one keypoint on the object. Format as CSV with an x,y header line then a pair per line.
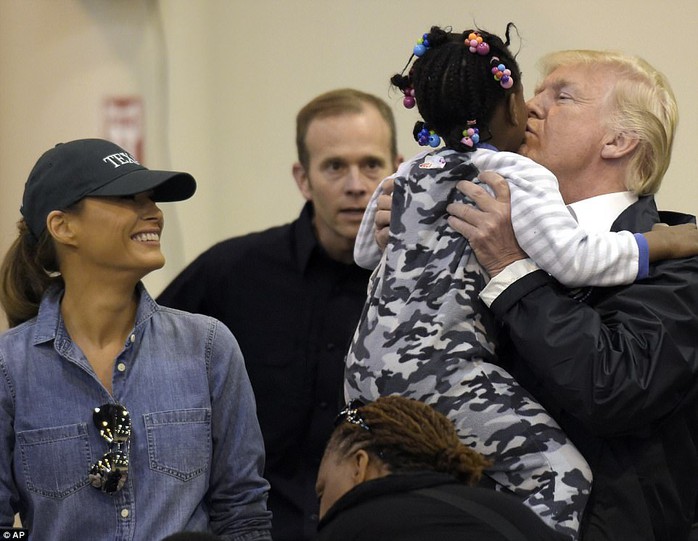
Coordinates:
x,y
396,469
119,418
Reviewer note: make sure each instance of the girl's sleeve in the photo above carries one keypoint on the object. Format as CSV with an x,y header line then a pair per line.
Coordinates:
x,y
549,234
367,253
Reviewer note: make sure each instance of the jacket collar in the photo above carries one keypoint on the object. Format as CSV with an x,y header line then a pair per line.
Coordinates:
x,y
391,484
304,238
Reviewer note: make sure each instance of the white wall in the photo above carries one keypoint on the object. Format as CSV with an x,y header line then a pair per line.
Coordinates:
x,y
222,81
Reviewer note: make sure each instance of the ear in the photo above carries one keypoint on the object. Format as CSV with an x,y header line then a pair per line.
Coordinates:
x,y
398,160
512,116
619,145
302,180
59,227
360,466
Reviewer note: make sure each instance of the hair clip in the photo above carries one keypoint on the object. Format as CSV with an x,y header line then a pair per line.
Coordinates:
x,y
471,135
502,74
422,45
476,44
351,414
428,137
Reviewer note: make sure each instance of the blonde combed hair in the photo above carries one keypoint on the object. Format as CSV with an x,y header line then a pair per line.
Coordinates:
x,y
643,105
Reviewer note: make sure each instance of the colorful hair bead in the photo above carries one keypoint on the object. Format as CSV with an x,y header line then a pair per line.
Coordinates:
x,y
428,137
476,44
422,46
502,74
471,136
408,101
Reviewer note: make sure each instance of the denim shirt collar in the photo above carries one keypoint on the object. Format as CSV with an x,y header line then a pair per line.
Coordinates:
x,y
49,323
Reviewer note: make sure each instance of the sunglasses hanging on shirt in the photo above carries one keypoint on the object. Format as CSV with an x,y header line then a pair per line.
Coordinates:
x,y
110,472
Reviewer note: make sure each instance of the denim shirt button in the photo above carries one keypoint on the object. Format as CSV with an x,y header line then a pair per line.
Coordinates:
x,y
132,338
124,513
121,367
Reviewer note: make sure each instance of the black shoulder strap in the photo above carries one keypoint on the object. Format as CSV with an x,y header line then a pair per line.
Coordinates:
x,y
494,519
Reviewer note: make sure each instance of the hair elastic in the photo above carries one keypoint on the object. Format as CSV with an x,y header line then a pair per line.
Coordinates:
x,y
422,45
428,137
476,44
408,101
501,73
471,135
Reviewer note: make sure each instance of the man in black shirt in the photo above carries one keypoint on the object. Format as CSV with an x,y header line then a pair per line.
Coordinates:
x,y
292,294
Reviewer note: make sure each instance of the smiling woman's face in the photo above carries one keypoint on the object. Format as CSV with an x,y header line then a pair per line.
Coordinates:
x,y
119,234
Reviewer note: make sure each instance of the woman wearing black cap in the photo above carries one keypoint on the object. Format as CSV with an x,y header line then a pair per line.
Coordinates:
x,y
119,419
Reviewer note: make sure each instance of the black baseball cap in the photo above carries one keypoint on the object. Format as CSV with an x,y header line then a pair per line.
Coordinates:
x,y
72,171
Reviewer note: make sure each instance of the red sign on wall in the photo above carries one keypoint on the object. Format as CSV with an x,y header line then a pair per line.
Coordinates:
x,y
123,123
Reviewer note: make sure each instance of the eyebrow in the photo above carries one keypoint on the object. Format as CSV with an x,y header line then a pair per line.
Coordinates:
x,y
555,84
330,159
364,159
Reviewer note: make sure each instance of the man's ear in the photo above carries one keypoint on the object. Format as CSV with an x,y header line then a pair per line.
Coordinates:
x,y
302,180
59,227
619,145
398,160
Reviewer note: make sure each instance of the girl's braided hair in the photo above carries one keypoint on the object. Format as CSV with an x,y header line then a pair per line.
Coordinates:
x,y
453,86
407,435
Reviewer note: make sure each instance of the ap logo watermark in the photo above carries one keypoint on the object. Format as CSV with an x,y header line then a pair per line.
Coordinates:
x,y
14,533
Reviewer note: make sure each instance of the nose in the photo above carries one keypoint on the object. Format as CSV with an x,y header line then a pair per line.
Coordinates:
x,y
148,208
354,182
534,106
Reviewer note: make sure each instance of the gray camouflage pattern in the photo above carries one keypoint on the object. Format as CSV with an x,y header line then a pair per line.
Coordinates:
x,y
425,334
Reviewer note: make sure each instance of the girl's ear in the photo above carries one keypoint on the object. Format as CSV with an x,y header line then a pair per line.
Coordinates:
x,y
512,109
59,227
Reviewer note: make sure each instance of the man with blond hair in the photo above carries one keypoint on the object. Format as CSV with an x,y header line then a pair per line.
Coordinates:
x,y
617,367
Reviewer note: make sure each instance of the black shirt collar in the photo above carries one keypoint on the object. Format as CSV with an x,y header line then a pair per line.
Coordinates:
x,y
305,239
307,245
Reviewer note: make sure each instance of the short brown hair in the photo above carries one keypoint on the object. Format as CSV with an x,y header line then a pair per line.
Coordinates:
x,y
335,103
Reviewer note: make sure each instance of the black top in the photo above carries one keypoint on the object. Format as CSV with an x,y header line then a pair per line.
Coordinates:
x,y
393,508
293,310
618,369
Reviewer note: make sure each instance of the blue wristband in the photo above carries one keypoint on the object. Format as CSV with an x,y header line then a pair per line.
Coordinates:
x,y
643,267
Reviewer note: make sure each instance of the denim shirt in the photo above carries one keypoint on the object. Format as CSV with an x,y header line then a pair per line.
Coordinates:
x,y
196,451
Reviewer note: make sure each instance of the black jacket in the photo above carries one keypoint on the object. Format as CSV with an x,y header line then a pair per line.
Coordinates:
x,y
618,368
392,508
293,310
